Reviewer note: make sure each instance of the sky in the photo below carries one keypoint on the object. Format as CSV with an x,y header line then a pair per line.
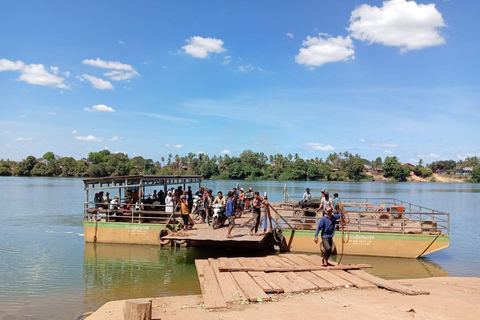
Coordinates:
x,y
378,78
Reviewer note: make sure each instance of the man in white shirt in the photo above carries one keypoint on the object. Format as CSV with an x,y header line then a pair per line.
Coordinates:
x,y
307,196
169,198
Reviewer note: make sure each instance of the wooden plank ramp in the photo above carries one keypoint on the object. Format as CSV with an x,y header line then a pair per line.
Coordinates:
x,y
225,281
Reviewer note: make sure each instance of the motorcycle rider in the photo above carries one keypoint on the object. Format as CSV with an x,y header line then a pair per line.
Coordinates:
x,y
249,199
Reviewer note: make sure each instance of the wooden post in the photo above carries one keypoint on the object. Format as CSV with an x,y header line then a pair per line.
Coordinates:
x,y
137,309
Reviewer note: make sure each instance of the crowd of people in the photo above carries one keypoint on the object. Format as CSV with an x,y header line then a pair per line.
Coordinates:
x,y
234,201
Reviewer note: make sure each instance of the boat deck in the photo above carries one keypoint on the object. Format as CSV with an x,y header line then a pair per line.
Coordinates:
x,y
203,233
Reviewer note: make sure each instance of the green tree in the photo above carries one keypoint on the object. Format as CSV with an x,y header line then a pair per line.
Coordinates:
x,y
25,167
475,177
5,169
355,167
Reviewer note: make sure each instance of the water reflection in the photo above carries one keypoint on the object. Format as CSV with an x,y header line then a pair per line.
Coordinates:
x,y
114,271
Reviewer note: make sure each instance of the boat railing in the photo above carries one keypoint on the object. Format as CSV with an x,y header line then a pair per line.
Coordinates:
x,y
128,212
372,215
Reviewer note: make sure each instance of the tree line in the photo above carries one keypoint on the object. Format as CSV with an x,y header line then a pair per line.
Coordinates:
x,y
341,166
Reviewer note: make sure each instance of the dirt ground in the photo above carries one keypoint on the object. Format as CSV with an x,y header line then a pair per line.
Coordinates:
x,y
450,298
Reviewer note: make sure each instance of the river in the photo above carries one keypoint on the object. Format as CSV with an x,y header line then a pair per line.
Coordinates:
x,y
47,271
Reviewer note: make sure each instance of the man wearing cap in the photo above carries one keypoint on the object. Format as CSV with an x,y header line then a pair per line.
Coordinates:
x,y
327,225
307,196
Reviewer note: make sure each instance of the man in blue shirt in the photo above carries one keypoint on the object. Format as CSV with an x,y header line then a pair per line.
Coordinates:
x,y
230,213
327,225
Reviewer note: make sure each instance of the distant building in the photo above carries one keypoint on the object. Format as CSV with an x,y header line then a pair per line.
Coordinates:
x,y
335,170
379,170
407,164
367,168
465,170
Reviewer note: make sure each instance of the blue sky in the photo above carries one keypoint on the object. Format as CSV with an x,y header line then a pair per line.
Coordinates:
x,y
150,78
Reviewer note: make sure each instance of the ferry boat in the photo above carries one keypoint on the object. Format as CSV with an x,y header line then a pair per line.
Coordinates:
x,y
384,227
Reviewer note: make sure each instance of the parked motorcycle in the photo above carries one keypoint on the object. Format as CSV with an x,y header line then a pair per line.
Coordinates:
x,y
219,216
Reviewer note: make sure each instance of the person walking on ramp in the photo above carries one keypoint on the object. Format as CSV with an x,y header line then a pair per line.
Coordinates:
x,y
327,225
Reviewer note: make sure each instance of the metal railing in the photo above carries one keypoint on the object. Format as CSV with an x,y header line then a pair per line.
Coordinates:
x,y
128,212
370,215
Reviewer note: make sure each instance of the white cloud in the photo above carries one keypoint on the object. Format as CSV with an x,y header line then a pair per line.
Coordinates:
x,y
74,131
34,73
317,146
7,65
388,151
114,65
178,146
168,118
199,47
342,141
430,155
148,62
398,23
98,83
121,42
246,68
89,138
66,74
100,108
119,71
362,140
385,145
54,70
325,49
23,139
115,138
225,151
290,35
121,75
226,60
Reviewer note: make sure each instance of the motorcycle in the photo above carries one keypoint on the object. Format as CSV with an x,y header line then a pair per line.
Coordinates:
x,y
198,212
219,216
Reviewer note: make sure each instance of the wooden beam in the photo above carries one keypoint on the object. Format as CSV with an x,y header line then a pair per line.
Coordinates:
x,y
294,268
356,281
386,284
249,287
333,279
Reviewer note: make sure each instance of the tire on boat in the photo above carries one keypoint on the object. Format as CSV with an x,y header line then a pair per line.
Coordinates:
x,y
279,240
164,233
179,243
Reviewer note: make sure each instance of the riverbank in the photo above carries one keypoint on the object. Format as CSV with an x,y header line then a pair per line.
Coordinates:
x,y
450,298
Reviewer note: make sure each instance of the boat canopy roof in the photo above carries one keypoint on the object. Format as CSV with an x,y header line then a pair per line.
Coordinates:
x,y
138,181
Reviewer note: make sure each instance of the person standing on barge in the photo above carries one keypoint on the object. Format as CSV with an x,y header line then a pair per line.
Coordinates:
x,y
257,205
327,225
230,213
307,196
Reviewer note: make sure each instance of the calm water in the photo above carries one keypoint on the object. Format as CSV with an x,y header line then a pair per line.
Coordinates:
x,y
47,271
